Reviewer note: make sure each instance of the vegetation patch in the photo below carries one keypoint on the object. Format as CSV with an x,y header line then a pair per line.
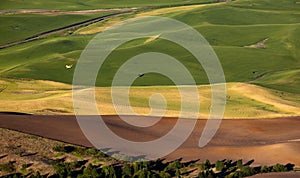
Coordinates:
x,y
8,167
162,169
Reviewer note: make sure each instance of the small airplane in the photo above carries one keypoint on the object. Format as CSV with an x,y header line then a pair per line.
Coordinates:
x,y
69,66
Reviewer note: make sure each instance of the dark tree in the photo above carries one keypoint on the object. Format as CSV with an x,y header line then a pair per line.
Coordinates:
x,y
219,165
127,170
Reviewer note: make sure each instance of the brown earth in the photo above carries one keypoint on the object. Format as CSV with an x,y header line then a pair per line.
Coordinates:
x,y
278,175
267,141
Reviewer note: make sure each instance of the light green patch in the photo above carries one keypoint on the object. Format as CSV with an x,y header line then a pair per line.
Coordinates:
x,y
287,80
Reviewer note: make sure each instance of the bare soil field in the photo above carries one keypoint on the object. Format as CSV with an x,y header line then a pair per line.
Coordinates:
x,y
278,175
267,141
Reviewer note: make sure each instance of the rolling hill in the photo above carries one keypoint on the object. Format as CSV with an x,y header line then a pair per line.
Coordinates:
x,y
256,42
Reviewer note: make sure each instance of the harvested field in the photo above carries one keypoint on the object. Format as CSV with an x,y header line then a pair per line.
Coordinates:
x,y
267,141
41,97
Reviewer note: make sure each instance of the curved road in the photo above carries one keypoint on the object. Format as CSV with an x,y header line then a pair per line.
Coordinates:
x,y
75,25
